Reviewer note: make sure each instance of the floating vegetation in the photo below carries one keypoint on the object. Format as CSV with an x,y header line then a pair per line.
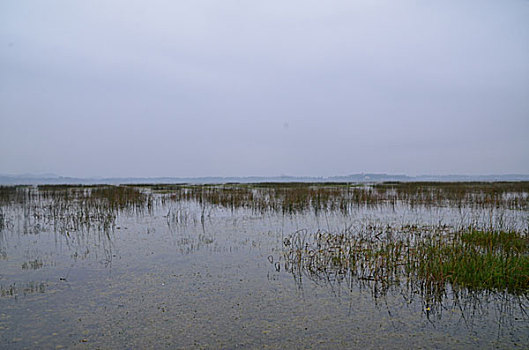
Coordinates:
x,y
425,259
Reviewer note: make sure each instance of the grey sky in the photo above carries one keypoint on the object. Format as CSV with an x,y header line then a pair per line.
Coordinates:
x,y
235,88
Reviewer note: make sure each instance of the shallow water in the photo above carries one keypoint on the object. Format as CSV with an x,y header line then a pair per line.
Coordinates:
x,y
180,274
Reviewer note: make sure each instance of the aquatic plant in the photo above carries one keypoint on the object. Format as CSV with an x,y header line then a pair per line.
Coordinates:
x,y
426,259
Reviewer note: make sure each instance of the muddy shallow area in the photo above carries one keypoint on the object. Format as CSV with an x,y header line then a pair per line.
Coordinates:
x,y
200,267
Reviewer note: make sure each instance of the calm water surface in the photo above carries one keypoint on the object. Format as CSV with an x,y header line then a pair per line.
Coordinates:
x,y
181,274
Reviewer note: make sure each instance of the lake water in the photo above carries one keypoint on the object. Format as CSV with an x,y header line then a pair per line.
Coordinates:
x,y
173,273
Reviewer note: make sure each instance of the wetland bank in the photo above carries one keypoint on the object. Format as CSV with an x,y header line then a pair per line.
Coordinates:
x,y
280,265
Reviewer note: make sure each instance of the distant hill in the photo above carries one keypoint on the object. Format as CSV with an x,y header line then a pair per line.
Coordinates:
x,y
38,179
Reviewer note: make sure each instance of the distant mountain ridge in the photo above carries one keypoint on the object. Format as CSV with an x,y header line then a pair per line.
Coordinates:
x,y
41,179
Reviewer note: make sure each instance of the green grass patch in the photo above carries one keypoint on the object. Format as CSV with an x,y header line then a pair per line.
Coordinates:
x,y
424,258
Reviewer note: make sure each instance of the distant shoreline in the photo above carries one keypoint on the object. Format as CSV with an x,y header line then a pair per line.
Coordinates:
x,y
354,178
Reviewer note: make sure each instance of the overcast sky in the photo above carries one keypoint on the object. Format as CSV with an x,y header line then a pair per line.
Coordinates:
x,y
237,88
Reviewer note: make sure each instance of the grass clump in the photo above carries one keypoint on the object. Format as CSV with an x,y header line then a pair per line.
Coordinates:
x,y
477,259
426,259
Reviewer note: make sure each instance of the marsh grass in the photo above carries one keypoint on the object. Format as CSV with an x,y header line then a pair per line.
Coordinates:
x,y
512,195
67,209
287,198
425,259
291,198
492,259
429,261
121,197
79,207
477,259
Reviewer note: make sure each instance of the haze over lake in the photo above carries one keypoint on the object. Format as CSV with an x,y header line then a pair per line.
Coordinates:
x,y
130,89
